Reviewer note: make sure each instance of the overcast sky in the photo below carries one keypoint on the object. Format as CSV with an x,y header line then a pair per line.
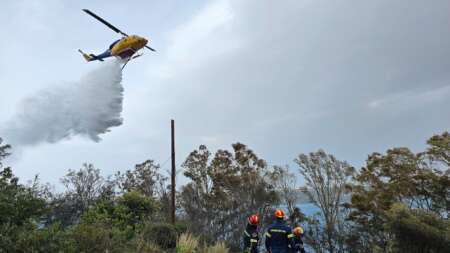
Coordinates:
x,y
284,77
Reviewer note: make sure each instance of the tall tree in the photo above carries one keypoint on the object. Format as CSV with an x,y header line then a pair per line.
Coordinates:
x,y
418,230
3,151
224,190
326,179
145,178
418,181
285,183
439,148
85,185
437,186
83,188
20,208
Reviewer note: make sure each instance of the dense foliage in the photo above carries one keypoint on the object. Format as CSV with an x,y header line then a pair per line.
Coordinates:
x,y
224,191
419,183
399,201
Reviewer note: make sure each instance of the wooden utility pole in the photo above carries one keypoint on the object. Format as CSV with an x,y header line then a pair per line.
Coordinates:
x,y
173,170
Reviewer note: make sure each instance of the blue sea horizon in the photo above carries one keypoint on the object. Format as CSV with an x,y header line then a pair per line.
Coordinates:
x,y
308,209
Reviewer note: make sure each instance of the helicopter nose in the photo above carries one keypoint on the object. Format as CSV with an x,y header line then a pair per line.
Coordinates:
x,y
144,41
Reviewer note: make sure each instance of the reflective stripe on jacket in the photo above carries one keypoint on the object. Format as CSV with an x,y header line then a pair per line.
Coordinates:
x,y
279,237
251,239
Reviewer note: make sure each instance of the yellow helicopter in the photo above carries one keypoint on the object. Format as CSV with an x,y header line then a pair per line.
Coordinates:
x,y
124,48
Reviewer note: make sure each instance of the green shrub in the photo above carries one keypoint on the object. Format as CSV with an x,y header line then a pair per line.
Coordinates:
x,y
181,227
99,238
52,239
418,230
143,246
164,235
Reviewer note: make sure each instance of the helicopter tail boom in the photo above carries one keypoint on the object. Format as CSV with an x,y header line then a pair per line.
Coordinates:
x,y
89,57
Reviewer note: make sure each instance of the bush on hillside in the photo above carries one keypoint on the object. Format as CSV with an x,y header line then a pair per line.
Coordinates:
x,y
418,230
163,235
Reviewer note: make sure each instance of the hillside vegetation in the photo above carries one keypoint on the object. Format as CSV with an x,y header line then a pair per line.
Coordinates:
x,y
399,201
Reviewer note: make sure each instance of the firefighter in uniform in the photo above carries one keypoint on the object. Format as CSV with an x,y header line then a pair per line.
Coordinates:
x,y
298,242
279,237
251,237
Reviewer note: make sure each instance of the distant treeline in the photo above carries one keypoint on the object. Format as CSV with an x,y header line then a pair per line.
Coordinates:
x,y
399,201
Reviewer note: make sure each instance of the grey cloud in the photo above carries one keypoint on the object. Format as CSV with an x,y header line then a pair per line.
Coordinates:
x,y
304,74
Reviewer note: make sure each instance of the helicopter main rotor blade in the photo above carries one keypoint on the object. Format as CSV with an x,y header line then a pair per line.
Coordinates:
x,y
115,29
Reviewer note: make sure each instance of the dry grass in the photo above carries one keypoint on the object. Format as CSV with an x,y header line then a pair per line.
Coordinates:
x,y
149,248
142,246
219,247
187,243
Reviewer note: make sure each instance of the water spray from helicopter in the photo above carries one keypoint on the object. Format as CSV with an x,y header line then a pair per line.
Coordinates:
x,y
89,107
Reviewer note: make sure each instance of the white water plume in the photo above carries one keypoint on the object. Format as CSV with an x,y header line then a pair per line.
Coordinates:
x,y
88,107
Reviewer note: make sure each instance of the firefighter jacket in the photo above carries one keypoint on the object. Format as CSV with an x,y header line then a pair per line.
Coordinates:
x,y
250,239
298,245
279,238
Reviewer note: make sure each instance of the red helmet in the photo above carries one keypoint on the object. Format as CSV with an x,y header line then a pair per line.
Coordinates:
x,y
253,220
298,231
280,214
